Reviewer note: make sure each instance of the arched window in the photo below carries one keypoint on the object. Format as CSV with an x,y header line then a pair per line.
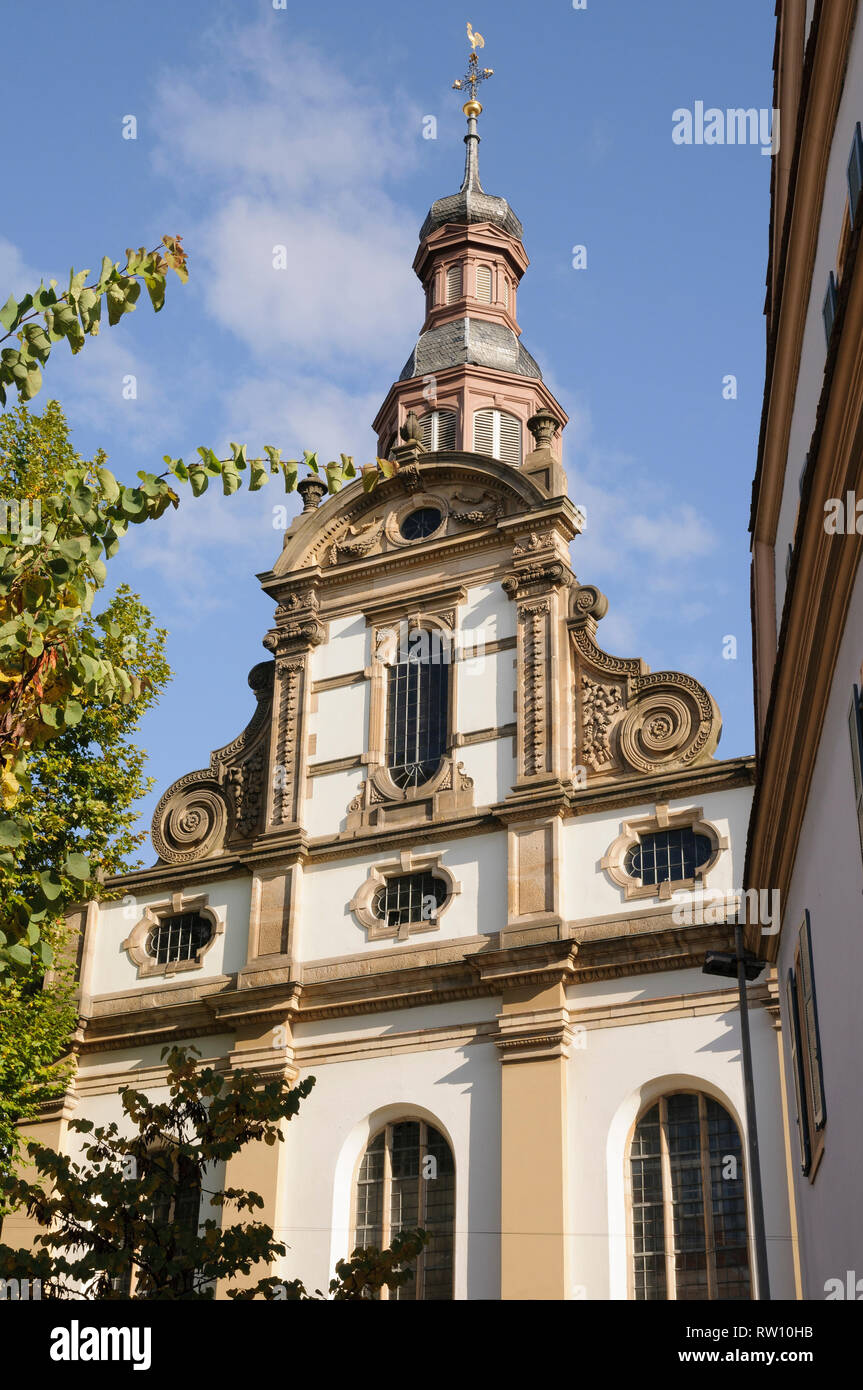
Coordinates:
x,y
407,1179
178,937
688,1202
483,284
453,283
437,430
497,434
417,708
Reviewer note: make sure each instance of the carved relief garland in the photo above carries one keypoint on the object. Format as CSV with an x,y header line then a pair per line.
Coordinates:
x,y
599,704
289,672
533,618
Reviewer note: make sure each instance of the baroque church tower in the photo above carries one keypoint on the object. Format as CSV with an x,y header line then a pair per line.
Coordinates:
x,y
441,870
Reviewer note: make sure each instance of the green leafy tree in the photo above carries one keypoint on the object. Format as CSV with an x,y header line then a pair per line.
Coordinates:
x,y
114,1223
79,797
55,661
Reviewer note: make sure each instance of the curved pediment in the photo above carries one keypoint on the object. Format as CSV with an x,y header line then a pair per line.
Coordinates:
x,y
469,492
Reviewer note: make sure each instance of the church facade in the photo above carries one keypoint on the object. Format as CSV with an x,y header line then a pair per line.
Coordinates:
x,y
462,866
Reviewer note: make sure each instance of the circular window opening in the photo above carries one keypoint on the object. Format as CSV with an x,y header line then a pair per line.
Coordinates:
x,y
417,525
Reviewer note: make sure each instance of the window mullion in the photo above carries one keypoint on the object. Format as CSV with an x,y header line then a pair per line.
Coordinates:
x,y
421,1210
388,1197
667,1203
707,1198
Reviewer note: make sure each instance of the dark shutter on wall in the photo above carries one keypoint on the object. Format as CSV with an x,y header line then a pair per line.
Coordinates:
x,y
797,1072
809,1011
855,173
855,729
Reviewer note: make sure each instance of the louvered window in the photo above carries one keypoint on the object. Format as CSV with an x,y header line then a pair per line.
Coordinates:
x,y
406,1180
497,434
437,430
453,283
417,710
483,284
688,1202
806,1048
179,937
505,292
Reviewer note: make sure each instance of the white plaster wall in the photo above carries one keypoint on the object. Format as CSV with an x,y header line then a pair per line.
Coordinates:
x,y
814,351
112,969
340,722
619,1072
487,613
325,810
486,691
828,880
346,650
329,929
587,890
492,765
455,1089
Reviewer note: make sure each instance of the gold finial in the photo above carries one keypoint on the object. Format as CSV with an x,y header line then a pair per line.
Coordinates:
x,y
474,75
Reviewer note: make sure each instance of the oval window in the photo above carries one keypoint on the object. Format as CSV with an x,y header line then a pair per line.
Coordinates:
x,y
417,525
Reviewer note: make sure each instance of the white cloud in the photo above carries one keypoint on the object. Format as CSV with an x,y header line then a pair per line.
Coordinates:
x,y
290,152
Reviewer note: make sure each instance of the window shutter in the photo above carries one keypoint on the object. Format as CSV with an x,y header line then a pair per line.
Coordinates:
x,y
797,1072
446,420
483,432
510,440
812,1038
505,292
437,429
453,283
828,311
855,173
855,728
483,284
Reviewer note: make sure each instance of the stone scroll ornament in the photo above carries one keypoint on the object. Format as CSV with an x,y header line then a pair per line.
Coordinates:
x,y
222,803
629,718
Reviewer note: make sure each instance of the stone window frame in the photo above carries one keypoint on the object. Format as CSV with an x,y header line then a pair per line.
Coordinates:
x,y
415,503
662,819
407,863
136,941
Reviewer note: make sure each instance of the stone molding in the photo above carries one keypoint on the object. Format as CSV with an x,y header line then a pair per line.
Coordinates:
x,y
361,905
662,819
136,941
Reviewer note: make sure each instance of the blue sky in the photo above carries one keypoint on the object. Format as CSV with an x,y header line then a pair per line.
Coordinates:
x,y
303,127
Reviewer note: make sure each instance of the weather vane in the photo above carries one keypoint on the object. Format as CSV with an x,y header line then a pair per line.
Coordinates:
x,y
474,75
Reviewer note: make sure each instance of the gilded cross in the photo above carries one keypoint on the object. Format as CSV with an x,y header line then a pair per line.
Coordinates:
x,y
474,74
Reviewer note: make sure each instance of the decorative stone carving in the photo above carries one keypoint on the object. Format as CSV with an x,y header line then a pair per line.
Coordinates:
x,y
204,810
533,616
190,820
357,541
289,671
478,511
599,704
312,490
536,540
658,721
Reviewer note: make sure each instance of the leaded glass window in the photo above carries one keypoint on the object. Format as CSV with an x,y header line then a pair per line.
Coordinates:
x,y
178,937
409,898
688,1202
417,711
407,1179
667,856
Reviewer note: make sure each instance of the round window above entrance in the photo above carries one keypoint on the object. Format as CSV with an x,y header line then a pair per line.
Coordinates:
x,y
416,526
